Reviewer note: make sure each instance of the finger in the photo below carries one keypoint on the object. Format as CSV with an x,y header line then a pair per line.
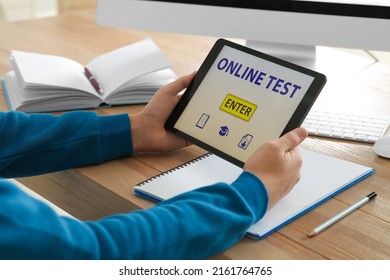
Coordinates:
x,y
177,86
292,139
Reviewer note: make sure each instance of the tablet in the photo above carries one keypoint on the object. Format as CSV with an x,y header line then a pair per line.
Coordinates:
x,y
241,98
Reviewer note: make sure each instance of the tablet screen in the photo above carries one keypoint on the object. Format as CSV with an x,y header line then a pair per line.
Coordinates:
x,y
241,98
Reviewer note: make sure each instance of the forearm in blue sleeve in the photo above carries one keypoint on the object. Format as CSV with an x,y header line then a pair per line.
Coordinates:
x,y
40,143
194,225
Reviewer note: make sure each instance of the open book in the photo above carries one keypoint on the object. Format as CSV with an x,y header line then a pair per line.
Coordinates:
x,y
128,75
322,177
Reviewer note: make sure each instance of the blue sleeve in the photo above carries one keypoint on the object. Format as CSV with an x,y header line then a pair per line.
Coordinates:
x,y
34,144
194,225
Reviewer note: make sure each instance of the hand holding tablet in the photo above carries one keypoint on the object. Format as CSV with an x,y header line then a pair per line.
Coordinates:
x,y
241,98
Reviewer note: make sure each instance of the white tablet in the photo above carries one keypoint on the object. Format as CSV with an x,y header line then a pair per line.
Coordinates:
x,y
240,98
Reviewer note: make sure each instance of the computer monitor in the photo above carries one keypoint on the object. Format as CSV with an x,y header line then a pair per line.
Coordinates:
x,y
289,29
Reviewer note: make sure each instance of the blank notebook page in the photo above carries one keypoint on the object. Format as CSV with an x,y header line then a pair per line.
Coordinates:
x,y
322,177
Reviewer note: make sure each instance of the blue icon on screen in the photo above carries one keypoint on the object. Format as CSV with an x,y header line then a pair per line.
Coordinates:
x,y
245,141
202,120
224,131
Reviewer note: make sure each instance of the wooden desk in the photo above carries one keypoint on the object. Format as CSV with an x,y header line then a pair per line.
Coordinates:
x,y
96,191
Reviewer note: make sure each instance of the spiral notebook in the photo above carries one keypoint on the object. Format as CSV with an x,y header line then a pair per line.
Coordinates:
x,y
322,178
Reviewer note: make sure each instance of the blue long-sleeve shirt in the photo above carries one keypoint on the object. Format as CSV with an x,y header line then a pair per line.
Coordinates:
x,y
194,225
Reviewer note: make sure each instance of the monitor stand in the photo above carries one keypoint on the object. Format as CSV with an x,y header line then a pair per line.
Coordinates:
x,y
297,54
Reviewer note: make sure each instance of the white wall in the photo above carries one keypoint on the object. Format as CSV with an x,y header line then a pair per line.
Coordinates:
x,y
13,10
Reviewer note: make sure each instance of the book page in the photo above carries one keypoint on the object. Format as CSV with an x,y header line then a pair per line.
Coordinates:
x,y
41,70
115,68
141,88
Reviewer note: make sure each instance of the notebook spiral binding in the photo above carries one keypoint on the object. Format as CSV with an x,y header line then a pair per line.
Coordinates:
x,y
173,169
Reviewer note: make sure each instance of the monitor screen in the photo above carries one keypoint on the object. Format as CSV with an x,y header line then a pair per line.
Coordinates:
x,y
359,8
288,29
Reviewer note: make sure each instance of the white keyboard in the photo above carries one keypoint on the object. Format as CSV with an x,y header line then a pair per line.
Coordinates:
x,y
346,126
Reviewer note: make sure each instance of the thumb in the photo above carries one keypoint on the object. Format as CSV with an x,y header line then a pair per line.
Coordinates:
x,y
178,85
293,138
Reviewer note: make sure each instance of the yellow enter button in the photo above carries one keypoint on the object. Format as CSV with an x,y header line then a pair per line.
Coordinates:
x,y
238,107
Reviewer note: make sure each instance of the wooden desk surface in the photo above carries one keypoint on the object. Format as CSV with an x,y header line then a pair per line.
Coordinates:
x,y
96,191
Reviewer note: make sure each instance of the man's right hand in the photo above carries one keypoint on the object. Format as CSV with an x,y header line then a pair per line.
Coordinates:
x,y
278,163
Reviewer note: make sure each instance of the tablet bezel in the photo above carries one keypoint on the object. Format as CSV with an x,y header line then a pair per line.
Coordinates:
x,y
295,121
